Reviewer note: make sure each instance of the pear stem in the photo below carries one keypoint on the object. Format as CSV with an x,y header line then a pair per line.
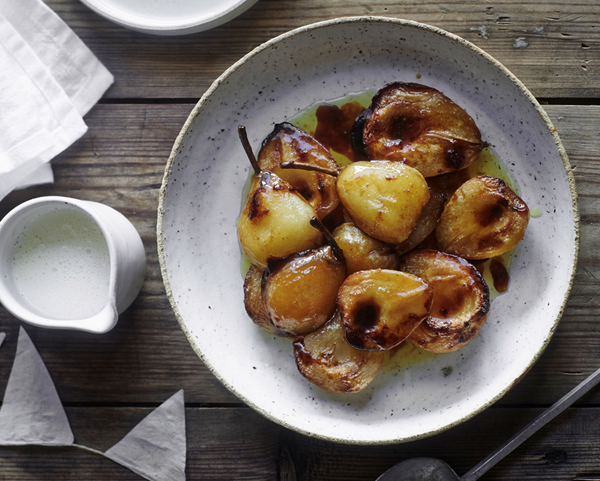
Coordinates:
x,y
338,253
310,167
248,148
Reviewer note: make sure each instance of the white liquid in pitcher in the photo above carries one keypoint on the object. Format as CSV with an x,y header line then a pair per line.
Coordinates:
x,y
61,265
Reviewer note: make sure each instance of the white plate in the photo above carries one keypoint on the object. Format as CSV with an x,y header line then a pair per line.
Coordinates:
x,y
169,17
201,198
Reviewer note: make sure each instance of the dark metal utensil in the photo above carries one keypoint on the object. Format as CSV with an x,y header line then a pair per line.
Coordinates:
x,y
431,469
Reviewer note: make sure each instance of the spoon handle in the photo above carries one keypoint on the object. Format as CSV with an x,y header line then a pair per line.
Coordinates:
x,y
539,422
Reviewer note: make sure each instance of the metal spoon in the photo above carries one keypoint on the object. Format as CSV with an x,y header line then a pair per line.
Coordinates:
x,y
431,469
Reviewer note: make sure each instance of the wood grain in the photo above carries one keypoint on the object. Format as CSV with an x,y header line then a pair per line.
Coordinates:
x,y
566,450
221,444
237,444
552,46
109,383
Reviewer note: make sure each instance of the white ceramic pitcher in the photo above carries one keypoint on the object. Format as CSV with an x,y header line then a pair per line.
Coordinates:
x,y
126,254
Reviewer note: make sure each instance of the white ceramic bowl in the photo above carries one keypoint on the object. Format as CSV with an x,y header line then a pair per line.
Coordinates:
x,y
169,17
201,198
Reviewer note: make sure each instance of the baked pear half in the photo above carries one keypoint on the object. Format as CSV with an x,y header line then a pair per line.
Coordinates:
x,y
484,218
361,251
275,221
300,291
327,360
420,126
380,308
384,199
460,300
288,144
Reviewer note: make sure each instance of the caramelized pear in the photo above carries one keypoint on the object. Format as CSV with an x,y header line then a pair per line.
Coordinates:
x,y
460,300
253,301
325,358
380,308
300,290
292,146
361,251
420,126
275,221
484,218
384,199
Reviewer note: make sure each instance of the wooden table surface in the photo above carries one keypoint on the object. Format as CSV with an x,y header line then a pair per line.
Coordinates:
x,y
109,383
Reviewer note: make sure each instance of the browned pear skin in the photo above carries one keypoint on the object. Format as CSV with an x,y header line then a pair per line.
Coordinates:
x,y
275,221
484,218
380,308
461,300
290,144
300,291
420,126
361,251
324,358
427,221
253,301
384,199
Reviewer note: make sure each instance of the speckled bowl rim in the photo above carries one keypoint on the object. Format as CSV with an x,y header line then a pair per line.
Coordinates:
x,y
319,25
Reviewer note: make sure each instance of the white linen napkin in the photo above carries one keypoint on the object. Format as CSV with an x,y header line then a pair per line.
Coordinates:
x,y
49,79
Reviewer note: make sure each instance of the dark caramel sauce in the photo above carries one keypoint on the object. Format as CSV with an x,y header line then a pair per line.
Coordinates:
x,y
499,274
331,123
495,271
334,127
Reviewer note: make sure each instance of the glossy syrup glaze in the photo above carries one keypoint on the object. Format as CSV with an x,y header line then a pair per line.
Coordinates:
x,y
331,124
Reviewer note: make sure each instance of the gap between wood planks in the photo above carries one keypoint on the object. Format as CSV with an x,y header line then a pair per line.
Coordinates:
x,y
184,100
154,405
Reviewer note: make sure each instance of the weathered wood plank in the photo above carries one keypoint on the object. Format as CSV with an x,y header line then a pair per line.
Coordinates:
x,y
222,444
552,46
120,162
110,382
565,450
237,444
